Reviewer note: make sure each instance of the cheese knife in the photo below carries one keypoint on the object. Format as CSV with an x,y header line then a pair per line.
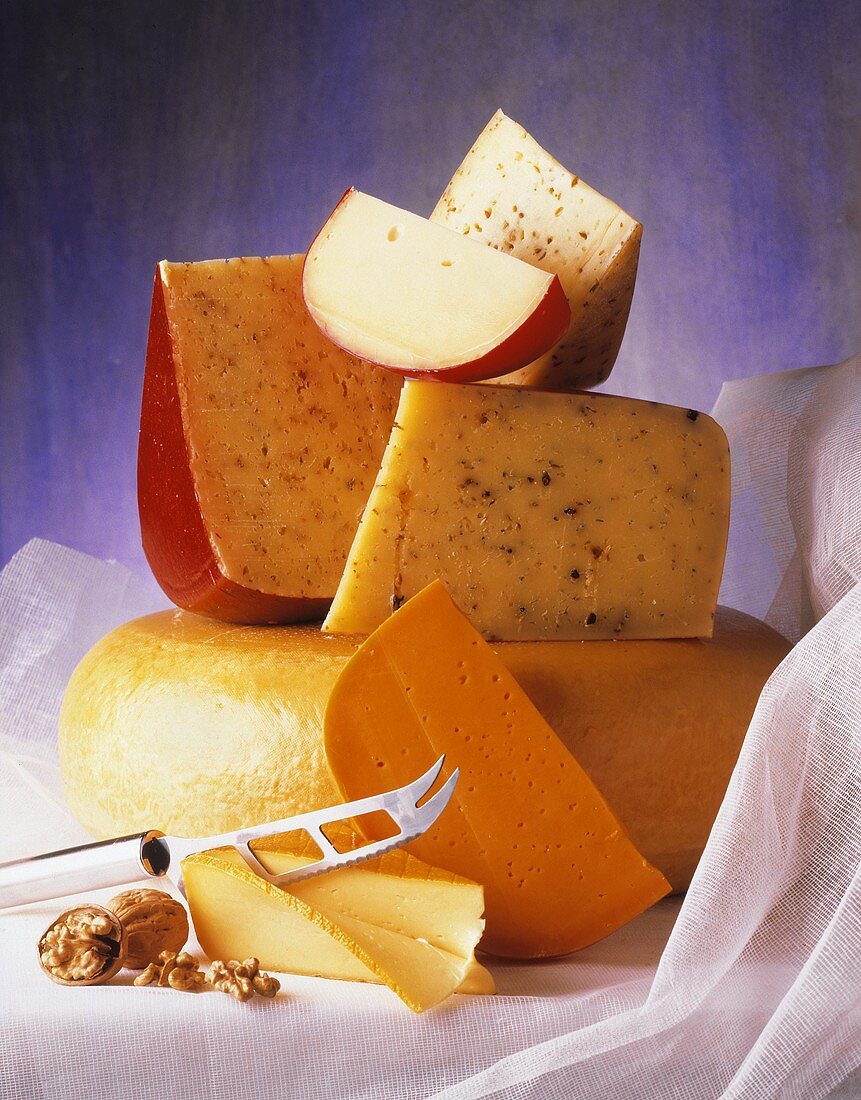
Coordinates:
x,y
131,858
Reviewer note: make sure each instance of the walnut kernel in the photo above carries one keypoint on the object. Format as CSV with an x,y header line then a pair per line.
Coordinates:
x,y
154,922
148,975
179,971
241,980
83,946
187,978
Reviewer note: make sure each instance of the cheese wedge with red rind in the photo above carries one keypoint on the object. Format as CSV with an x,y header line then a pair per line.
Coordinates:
x,y
250,478
558,869
411,296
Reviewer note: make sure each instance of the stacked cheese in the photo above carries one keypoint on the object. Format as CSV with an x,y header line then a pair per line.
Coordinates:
x,y
175,703
287,473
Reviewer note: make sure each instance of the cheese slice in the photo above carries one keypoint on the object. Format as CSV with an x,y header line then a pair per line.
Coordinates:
x,y
415,298
174,702
392,920
513,195
558,868
546,515
259,442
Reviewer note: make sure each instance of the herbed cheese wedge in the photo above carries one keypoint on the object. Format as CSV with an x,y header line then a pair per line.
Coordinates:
x,y
546,515
392,920
513,195
411,296
259,442
557,866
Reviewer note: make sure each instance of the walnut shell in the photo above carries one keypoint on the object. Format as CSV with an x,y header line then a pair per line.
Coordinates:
x,y
83,946
153,922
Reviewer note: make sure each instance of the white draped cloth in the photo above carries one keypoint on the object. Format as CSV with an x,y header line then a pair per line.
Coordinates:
x,y
748,988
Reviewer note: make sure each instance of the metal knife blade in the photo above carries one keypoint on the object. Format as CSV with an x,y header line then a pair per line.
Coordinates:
x,y
151,853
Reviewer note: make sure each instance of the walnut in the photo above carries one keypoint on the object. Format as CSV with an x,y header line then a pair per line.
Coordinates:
x,y
187,978
221,976
179,971
148,975
171,961
168,962
83,946
154,922
241,980
265,985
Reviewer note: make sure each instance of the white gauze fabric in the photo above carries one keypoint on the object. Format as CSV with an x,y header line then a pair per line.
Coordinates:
x,y
751,988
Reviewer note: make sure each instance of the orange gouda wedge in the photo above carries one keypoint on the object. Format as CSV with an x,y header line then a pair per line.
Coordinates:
x,y
558,869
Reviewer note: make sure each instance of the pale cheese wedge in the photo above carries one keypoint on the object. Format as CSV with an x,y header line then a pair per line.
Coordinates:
x,y
413,297
393,920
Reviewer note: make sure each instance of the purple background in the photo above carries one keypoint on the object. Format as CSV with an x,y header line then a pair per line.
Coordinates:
x,y
137,131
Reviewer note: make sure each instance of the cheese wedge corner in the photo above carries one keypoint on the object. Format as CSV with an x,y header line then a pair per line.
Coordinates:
x,y
251,476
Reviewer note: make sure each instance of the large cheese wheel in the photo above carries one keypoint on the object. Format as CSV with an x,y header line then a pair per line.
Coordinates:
x,y
193,726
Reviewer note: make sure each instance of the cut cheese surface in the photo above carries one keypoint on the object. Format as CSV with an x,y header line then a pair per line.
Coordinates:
x,y
558,868
395,891
513,195
546,515
259,442
411,296
392,920
175,702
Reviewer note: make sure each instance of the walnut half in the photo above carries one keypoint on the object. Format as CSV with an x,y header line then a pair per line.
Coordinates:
x,y
83,946
179,971
241,980
154,922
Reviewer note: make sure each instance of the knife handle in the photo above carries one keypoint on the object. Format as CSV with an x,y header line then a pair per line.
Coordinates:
x,y
87,867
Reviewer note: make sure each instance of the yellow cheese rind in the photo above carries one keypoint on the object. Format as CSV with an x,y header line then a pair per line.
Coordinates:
x,y
325,930
558,868
198,727
512,194
546,515
280,474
